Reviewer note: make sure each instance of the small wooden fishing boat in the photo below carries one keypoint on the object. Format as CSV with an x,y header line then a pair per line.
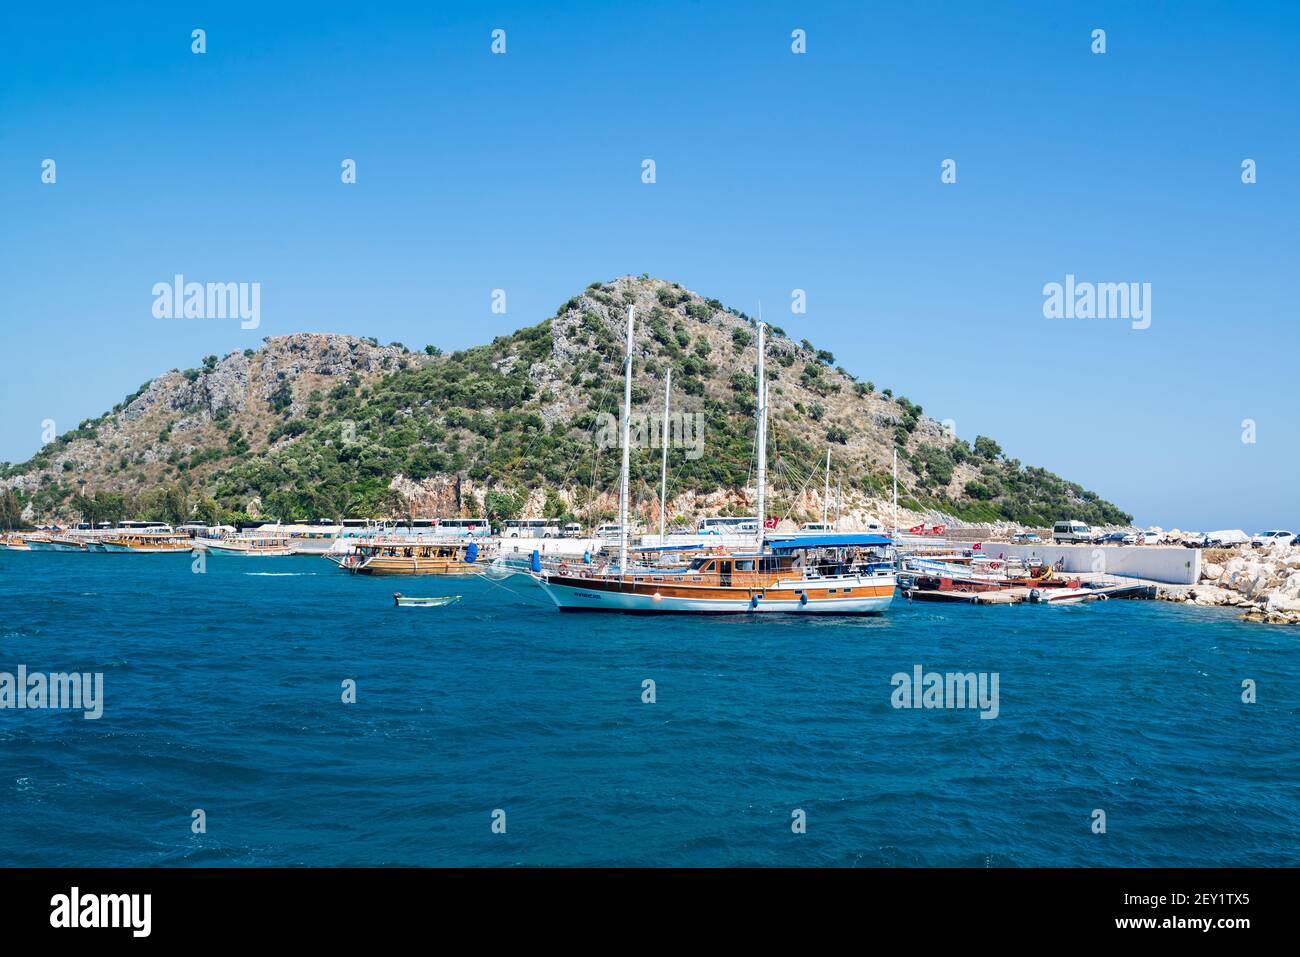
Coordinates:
x,y
409,601
14,543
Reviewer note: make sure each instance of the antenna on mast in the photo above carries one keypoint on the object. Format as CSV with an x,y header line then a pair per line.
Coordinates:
x,y
623,479
761,416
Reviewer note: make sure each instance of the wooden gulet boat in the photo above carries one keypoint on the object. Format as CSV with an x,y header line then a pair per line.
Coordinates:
x,y
142,545
830,574
406,557
54,543
251,546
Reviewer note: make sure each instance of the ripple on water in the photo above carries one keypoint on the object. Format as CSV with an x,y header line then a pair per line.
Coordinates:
x,y
224,691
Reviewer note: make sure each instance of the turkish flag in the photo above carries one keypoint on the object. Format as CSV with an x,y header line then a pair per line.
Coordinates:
x,y
770,522
975,547
938,529
917,529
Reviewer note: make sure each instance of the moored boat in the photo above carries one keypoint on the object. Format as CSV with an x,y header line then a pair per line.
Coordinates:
x,y
251,546
832,574
54,543
1063,596
142,544
411,557
811,574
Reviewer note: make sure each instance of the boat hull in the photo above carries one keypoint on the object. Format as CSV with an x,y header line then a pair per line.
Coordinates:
x,y
416,566
862,596
116,549
215,549
39,546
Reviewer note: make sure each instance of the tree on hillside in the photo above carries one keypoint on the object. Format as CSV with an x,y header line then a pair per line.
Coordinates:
x,y
11,512
501,505
986,448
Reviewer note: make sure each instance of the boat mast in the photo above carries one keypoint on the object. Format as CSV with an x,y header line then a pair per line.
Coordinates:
x,y
762,436
895,493
826,490
627,422
663,469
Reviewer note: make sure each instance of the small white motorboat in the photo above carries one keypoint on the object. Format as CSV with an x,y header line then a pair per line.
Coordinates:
x,y
406,601
1061,596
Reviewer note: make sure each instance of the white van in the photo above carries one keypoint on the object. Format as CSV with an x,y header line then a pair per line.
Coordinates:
x,y
1071,533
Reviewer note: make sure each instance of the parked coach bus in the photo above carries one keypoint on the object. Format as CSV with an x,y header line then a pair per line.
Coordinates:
x,y
531,528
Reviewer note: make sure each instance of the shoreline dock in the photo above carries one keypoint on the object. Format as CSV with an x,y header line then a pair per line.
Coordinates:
x,y
1098,587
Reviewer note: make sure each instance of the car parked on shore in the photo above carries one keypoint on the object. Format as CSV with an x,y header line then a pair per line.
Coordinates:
x,y
1273,537
1193,539
1115,538
1152,536
1025,538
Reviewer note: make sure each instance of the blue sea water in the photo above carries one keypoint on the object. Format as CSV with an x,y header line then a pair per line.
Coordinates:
x,y
223,692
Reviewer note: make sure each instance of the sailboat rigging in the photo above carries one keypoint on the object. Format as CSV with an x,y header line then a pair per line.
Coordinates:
x,y
819,574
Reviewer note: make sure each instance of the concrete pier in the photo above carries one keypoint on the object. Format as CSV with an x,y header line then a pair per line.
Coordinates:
x,y
1166,564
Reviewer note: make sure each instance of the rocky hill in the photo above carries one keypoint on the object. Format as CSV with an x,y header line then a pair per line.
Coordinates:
x,y
315,425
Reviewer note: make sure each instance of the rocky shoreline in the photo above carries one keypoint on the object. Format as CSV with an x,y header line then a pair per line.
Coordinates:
x,y
1263,582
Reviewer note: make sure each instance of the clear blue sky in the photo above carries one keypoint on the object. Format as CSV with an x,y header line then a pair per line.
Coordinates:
x,y
775,172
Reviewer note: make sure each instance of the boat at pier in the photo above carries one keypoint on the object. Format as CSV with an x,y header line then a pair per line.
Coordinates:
x,y
141,544
43,542
251,546
411,557
810,574
833,574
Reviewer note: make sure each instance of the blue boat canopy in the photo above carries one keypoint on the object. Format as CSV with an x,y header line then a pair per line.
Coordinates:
x,y
828,541
668,548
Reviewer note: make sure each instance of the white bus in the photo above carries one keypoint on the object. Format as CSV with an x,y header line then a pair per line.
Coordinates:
x,y
531,528
462,527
